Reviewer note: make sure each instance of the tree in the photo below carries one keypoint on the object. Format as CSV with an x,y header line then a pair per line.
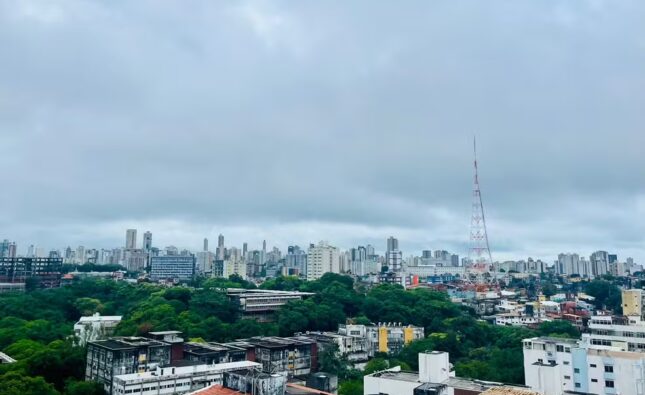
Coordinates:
x,y
88,306
32,284
376,365
74,387
15,383
362,320
558,328
57,362
351,387
548,289
606,295
331,361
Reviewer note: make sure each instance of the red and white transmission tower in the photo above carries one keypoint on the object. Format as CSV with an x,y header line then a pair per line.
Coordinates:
x,y
479,251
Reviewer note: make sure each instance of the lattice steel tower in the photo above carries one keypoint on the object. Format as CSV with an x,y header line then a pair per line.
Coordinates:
x,y
479,251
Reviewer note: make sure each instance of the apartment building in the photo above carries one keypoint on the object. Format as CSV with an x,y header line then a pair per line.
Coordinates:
x,y
616,332
124,355
554,366
47,271
388,337
213,353
353,348
633,301
293,356
178,380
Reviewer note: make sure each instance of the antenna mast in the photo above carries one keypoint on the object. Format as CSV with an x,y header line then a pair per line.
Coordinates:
x,y
479,251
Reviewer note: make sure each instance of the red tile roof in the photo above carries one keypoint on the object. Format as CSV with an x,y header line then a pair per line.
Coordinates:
x,y
216,390
302,388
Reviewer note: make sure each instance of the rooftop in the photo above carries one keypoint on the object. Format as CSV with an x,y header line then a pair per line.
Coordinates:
x,y
545,339
297,389
509,391
98,318
125,343
264,292
162,333
5,358
399,375
187,370
273,342
466,384
215,390
209,348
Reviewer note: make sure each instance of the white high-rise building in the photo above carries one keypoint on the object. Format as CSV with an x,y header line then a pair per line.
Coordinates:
x,y
147,241
554,366
322,259
80,255
130,239
568,264
220,251
599,263
204,261
393,256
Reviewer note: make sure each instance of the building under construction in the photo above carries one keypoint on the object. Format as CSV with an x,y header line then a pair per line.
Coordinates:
x,y
47,271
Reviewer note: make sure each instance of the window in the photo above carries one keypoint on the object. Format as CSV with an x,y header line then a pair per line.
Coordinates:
x,y
559,348
565,362
576,370
594,380
609,369
567,377
540,360
577,385
567,349
609,383
593,365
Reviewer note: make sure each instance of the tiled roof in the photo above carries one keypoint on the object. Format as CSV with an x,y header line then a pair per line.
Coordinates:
x,y
508,391
216,390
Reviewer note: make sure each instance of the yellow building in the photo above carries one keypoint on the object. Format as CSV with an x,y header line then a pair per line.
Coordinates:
x,y
633,302
392,337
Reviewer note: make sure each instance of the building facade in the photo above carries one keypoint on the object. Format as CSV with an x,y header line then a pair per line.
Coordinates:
x,y
261,304
176,267
555,366
384,337
46,271
322,259
118,356
95,327
291,356
177,380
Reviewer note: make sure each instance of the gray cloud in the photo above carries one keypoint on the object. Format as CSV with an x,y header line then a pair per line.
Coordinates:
x,y
346,122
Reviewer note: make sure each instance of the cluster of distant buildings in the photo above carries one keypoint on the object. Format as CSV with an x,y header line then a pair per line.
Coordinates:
x,y
172,265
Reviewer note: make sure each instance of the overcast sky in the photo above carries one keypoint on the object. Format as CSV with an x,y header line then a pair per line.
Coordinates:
x,y
307,120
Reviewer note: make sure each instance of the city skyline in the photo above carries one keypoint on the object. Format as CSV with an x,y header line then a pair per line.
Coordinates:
x,y
390,245
327,126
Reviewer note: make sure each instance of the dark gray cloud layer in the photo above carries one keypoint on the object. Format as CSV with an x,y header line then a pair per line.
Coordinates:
x,y
295,121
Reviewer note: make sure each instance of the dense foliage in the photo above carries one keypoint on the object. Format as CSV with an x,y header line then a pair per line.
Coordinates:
x,y
606,294
35,327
